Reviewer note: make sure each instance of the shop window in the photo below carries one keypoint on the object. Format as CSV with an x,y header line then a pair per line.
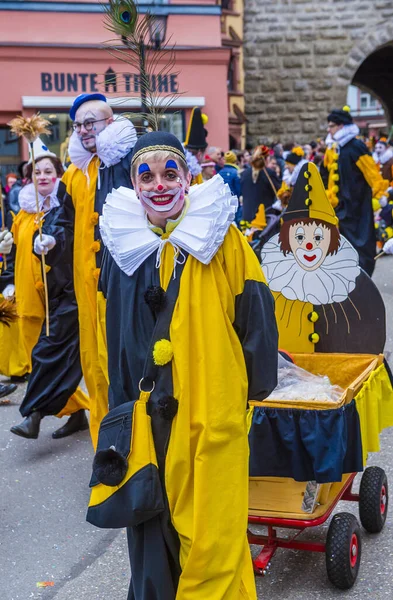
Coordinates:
x,y
9,153
232,72
61,127
227,4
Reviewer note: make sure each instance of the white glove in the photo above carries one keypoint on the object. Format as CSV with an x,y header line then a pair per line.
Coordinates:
x,y
277,205
388,247
6,241
383,201
9,291
43,246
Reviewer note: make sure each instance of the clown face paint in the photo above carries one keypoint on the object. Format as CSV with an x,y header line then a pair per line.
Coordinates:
x,y
162,189
309,244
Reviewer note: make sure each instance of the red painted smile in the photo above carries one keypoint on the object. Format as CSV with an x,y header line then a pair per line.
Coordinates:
x,y
162,200
310,258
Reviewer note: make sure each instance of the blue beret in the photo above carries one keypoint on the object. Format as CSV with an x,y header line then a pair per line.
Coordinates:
x,y
81,99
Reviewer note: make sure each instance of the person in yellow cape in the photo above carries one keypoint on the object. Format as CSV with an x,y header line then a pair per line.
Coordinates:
x,y
100,150
55,363
10,362
221,351
324,302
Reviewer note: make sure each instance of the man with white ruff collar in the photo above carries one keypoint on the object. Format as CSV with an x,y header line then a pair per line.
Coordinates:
x,y
100,151
354,180
174,258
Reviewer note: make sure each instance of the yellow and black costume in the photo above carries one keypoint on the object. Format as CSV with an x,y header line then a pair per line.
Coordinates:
x,y
55,362
82,191
354,180
221,351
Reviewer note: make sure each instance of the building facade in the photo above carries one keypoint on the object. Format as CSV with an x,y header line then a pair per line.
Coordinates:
x,y
59,53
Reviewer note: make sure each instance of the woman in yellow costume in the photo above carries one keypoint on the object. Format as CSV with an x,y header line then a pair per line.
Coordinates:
x,y
56,370
220,351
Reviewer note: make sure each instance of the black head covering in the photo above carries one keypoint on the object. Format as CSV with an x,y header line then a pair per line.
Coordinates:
x,y
293,159
340,117
158,140
196,134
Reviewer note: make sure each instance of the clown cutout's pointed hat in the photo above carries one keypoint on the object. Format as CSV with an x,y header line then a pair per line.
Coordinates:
x,y
309,199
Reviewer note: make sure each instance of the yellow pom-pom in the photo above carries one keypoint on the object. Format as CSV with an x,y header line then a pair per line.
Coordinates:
x,y
347,108
307,174
205,119
94,218
162,352
313,317
95,247
335,189
308,188
376,204
314,338
335,177
298,150
389,232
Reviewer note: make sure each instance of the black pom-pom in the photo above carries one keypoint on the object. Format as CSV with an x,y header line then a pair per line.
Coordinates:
x,y
155,297
110,467
168,407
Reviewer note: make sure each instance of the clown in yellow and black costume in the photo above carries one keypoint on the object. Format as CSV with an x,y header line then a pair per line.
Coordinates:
x,y
324,302
221,350
53,359
100,151
354,180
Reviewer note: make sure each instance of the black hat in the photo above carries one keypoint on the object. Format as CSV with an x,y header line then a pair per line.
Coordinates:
x,y
158,140
196,133
295,156
341,116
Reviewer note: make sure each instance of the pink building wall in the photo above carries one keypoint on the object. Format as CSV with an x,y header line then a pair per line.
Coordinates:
x,y
54,42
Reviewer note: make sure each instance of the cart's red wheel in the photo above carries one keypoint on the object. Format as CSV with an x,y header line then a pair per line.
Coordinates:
x,y
343,550
383,500
354,550
373,499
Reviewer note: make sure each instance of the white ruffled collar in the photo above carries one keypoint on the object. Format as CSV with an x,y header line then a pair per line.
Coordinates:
x,y
386,156
27,200
332,282
113,143
126,233
346,134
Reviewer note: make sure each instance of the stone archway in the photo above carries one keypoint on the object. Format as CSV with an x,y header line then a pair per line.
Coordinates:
x,y
300,56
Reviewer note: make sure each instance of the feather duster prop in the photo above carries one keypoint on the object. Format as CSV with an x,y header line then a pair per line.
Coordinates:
x,y
8,312
153,64
31,128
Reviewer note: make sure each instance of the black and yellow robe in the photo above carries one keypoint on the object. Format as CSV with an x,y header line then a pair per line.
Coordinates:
x,y
224,339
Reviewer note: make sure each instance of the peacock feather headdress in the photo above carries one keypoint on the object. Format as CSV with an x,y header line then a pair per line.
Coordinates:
x,y
152,64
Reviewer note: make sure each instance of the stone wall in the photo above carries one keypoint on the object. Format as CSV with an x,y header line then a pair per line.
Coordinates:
x,y
299,58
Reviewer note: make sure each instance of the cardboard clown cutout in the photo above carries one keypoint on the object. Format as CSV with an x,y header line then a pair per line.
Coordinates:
x,y
324,301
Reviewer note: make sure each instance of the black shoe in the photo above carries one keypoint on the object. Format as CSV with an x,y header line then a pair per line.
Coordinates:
x,y
30,426
77,422
6,389
19,378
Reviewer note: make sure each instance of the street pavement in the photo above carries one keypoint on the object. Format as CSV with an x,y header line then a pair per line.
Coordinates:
x,y
44,536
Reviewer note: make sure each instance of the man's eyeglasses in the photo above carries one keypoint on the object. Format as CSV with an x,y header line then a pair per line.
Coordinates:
x,y
88,125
